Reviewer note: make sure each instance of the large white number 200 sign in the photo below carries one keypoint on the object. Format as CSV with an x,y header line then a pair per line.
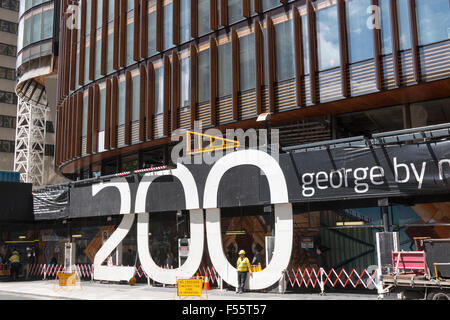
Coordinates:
x,y
259,280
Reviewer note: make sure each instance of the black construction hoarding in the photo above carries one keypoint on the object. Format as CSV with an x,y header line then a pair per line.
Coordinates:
x,y
16,202
324,175
51,203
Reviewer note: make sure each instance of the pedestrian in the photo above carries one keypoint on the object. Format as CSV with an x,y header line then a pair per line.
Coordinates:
x,y
321,260
169,260
15,265
243,267
258,258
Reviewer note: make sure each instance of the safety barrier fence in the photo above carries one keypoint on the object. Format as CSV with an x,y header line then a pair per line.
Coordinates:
x,y
322,279
294,278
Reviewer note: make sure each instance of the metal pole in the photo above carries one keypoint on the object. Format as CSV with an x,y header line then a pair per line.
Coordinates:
x,y
386,219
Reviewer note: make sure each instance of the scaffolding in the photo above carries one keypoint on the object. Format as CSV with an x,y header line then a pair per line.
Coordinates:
x,y
30,142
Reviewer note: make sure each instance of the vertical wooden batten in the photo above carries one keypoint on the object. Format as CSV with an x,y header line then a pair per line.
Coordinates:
x,y
108,104
395,41
235,73
224,12
414,39
258,6
167,95
312,50
214,79
176,21
271,63
343,47
194,84
213,15
142,101
123,34
79,124
150,99
114,110
128,106
194,16
104,58
82,43
259,67
298,35
144,28
246,8
95,118
175,90
92,40
137,30
116,45
89,120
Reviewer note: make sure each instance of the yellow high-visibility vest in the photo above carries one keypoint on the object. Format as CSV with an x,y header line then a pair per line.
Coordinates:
x,y
14,258
243,264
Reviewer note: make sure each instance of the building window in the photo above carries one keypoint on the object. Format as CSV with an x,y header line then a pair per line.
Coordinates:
x,y
360,43
433,20
386,40
269,4
130,38
152,28
36,27
7,122
185,21
247,75
203,17
159,90
10,27
185,82
7,73
49,128
327,38
7,146
10,5
136,89
110,48
102,106
98,54
87,53
121,102
305,42
430,113
8,50
284,51
404,32
168,42
234,11
204,79
85,114
8,97
47,23
224,70
49,150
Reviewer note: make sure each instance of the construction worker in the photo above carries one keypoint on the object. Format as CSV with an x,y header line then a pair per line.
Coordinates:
x,y
243,267
15,264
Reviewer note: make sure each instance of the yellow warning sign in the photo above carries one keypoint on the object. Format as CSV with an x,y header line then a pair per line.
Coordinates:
x,y
66,278
189,287
215,143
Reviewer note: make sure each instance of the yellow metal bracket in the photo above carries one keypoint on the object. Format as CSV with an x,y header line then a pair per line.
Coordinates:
x,y
213,145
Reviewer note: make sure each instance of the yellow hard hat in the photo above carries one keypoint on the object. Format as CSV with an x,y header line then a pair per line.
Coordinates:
x,y
242,252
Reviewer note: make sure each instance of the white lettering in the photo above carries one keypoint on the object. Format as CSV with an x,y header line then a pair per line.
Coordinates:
x,y
374,175
396,167
358,179
419,178
441,169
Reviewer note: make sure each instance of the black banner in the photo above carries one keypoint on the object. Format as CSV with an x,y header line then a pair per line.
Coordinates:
x,y
325,175
51,203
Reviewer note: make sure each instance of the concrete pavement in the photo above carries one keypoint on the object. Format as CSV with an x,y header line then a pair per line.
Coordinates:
x,y
106,291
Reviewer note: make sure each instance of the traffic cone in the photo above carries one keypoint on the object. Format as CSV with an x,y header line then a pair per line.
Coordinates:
x,y
206,286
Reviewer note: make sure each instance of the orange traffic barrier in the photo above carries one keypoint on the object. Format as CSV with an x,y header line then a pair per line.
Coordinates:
x,y
206,286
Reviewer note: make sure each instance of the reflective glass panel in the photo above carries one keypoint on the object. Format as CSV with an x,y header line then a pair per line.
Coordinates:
x,y
327,38
359,36
433,20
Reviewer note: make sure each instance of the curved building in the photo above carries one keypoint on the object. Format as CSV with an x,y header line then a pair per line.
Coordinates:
x,y
136,71
36,68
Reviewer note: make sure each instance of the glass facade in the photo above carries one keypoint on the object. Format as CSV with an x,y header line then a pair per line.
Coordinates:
x,y
433,20
327,38
359,36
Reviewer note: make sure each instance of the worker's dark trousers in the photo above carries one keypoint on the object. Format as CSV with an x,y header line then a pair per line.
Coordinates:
x,y
242,276
15,268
